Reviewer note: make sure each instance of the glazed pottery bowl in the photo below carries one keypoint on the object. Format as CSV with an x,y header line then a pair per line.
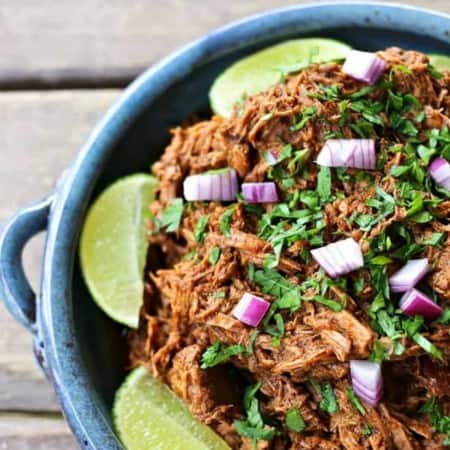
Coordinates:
x,y
81,350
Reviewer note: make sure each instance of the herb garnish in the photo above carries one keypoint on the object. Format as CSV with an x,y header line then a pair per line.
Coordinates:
x,y
294,420
214,255
225,220
328,403
355,401
324,183
254,427
200,227
303,118
439,421
217,354
172,214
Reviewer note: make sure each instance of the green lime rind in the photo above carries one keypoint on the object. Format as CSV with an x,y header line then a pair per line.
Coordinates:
x,y
441,62
259,71
148,415
113,247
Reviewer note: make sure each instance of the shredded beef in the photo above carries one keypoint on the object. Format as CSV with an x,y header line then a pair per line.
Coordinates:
x,y
189,300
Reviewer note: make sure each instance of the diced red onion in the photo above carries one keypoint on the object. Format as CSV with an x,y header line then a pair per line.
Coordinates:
x,y
367,381
415,303
364,66
251,309
260,192
218,186
339,258
357,153
440,172
372,401
409,275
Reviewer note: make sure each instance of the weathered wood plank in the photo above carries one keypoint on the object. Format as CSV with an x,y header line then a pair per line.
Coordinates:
x,y
25,432
95,43
40,133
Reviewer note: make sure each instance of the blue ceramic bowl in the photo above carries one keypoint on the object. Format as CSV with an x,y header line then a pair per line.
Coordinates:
x,y
82,351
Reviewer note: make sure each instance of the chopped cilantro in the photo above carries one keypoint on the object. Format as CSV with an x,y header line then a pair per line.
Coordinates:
x,y
253,427
324,183
225,220
214,255
217,354
434,72
251,272
355,401
379,353
439,421
428,346
328,403
251,342
445,317
272,283
303,118
200,227
367,430
172,214
294,420
332,304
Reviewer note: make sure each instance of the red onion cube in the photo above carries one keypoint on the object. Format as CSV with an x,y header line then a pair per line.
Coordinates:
x,y
221,185
415,302
251,309
409,275
260,192
440,172
364,66
367,381
339,258
357,153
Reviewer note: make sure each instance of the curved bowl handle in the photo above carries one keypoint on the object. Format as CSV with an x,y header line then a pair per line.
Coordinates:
x,y
15,289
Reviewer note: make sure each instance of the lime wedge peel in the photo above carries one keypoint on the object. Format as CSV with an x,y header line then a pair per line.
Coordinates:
x,y
113,247
147,415
441,62
259,71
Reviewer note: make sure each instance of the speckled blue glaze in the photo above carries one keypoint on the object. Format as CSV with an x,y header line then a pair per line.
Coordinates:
x,y
81,350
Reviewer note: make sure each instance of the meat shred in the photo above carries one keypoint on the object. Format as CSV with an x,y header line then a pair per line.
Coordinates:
x,y
188,300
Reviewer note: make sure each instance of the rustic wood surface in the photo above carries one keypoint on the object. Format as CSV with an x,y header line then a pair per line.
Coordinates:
x,y
61,45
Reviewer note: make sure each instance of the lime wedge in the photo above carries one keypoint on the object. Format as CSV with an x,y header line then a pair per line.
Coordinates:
x,y
259,71
147,415
441,62
113,247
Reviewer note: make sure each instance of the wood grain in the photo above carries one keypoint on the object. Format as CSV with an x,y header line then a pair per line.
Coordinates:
x,y
98,43
32,432
40,133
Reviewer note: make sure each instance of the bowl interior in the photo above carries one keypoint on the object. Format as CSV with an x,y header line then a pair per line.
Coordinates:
x,y
102,341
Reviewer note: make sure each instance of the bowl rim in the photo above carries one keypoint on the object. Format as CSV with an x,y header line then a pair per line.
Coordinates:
x,y
55,318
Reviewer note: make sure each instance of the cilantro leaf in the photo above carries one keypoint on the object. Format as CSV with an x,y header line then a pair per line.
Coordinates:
x,y
355,401
303,118
200,227
216,354
172,214
287,295
225,220
328,403
439,421
324,183
428,346
254,427
294,420
214,256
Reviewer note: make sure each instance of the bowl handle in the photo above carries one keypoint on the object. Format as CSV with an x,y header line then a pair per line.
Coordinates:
x,y
15,290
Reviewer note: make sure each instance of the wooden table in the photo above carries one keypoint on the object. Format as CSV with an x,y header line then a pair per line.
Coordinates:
x,y
61,65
